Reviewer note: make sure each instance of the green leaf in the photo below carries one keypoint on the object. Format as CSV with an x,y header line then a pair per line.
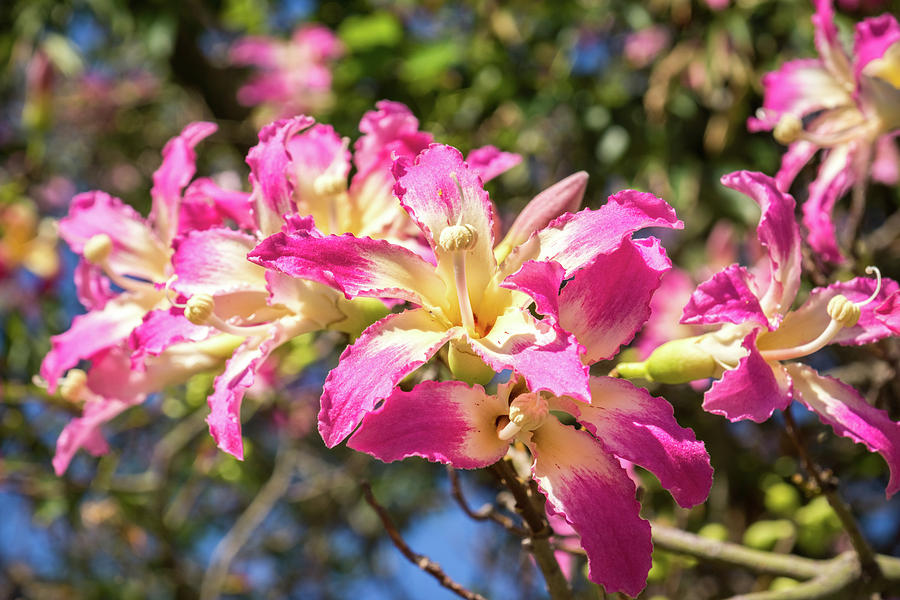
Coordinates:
x,y
369,31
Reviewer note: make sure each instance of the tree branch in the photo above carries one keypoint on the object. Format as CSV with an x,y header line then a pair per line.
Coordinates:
x,y
421,561
485,513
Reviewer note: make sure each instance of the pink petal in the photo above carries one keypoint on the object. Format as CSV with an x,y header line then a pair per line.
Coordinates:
x,y
886,164
161,329
807,322
177,168
640,428
354,266
92,287
370,369
799,87
391,129
752,390
95,331
431,195
793,160
542,281
84,432
269,161
605,304
576,240
214,261
835,178
726,297
828,42
590,489
848,413
228,393
873,37
490,162
312,153
548,359
446,422
888,312
779,234
562,197
136,249
254,50
319,40
206,205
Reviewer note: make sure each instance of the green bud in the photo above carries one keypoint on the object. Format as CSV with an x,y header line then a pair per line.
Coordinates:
x,y
361,312
714,531
678,361
467,366
782,499
763,535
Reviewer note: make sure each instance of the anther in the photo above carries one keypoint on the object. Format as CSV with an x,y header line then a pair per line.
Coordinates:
x,y
842,310
328,184
98,248
526,412
788,129
199,309
458,237
72,386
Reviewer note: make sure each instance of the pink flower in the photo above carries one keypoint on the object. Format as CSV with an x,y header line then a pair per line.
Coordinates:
x,y
643,46
294,77
466,294
759,336
846,106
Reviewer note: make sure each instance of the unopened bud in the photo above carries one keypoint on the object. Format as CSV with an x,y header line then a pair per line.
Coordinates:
x,y
458,237
199,308
73,385
843,311
788,129
97,249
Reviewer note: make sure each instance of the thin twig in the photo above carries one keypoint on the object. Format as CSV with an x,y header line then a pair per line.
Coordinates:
x,y
827,483
537,542
247,523
421,561
485,513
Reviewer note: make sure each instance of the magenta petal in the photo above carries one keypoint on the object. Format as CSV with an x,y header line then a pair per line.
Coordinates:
x,y
593,492
269,161
605,304
354,266
888,312
886,163
316,152
548,358
489,161
446,422
828,42
640,428
391,129
807,322
749,391
175,172
92,287
873,37
370,369
799,87
228,393
541,281
206,205
835,178
92,332
161,329
793,160
848,413
778,232
576,240
726,297
136,250
84,432
214,261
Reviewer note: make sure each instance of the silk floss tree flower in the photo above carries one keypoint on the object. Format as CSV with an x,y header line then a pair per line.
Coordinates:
x,y
293,77
847,106
470,295
298,175
754,351
578,470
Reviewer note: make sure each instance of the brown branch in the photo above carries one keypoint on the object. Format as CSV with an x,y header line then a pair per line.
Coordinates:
x,y
537,542
827,484
421,561
486,512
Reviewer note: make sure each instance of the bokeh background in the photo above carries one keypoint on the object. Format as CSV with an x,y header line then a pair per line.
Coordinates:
x,y
650,95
